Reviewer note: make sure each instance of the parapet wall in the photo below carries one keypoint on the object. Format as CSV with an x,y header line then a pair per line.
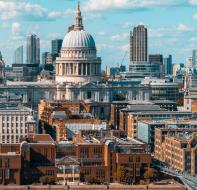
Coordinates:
x,y
96,187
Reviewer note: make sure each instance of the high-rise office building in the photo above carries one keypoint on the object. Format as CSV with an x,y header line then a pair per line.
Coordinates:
x,y
47,58
139,45
168,65
56,46
123,68
156,58
194,58
189,62
44,57
2,69
18,55
33,50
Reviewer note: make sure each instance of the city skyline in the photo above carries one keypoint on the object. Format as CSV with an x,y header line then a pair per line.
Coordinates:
x,y
110,25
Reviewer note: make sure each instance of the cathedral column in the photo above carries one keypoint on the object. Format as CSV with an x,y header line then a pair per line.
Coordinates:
x,y
86,68
57,69
84,72
69,69
81,68
66,68
95,69
90,69
63,69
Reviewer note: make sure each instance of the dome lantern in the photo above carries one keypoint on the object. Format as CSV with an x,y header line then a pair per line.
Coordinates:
x,y
78,61
78,19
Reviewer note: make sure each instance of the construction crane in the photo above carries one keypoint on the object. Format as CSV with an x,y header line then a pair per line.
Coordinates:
x,y
124,57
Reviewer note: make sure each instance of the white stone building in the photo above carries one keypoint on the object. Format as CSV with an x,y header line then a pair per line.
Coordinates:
x,y
78,71
78,61
14,123
78,77
2,70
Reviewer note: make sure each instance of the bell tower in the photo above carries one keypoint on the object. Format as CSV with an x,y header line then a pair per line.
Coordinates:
x,y
31,126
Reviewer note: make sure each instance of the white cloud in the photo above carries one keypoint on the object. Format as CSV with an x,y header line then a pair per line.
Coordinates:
x,y
91,16
195,16
127,25
119,37
158,33
193,39
102,5
103,46
69,12
5,25
55,14
184,28
101,33
170,32
193,2
29,11
53,36
16,27
124,47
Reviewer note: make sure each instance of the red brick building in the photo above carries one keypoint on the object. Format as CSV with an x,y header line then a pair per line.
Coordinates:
x,y
26,162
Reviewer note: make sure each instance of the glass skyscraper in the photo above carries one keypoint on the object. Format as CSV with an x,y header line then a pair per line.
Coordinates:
x,y
18,55
33,50
56,46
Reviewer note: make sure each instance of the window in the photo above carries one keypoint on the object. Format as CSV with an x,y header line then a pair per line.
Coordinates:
x,y
45,152
7,173
1,173
97,150
131,159
100,173
87,171
89,95
138,159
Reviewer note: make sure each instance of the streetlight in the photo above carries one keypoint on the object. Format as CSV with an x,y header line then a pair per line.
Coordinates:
x,y
64,168
64,172
73,172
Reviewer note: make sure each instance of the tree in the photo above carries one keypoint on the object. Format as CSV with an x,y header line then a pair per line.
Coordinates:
x,y
150,173
180,102
47,180
122,174
119,97
92,180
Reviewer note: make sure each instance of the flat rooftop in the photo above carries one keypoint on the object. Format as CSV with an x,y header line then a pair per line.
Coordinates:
x,y
13,107
134,102
183,136
170,122
141,108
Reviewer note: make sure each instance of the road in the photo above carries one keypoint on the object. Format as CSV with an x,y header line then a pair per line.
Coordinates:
x,y
189,181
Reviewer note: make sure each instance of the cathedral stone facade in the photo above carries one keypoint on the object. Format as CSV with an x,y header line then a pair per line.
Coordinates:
x,y
78,71
78,61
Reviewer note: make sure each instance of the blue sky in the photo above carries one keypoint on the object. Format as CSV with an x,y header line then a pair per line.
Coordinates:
x,y
172,25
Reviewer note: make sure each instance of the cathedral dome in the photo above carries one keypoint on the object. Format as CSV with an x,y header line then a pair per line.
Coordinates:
x,y
78,61
78,39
